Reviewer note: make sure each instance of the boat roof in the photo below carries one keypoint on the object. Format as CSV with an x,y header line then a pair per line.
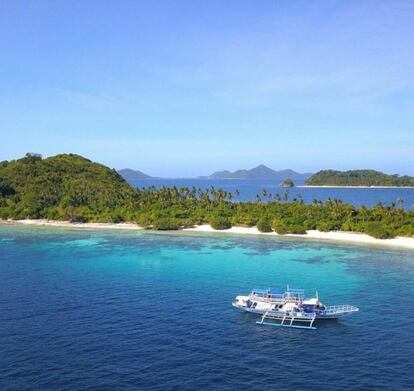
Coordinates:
x,y
312,301
261,291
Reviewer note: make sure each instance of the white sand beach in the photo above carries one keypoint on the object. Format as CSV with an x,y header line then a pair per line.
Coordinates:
x,y
339,236
68,224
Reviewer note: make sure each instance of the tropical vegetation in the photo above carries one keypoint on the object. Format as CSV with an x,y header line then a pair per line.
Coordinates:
x,y
358,178
287,183
70,187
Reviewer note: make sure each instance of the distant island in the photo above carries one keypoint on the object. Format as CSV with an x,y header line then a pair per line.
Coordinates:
x,y
259,172
132,175
71,188
287,183
358,178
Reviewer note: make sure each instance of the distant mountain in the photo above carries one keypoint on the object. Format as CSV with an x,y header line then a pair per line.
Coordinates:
x,y
132,175
259,172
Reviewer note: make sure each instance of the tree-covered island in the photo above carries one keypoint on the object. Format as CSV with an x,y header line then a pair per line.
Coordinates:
x,y
70,187
358,178
287,183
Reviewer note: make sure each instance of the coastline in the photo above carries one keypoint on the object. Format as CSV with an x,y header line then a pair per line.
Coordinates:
x,y
355,187
68,224
338,236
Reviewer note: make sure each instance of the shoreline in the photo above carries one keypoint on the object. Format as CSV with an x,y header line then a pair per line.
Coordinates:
x,y
354,187
68,224
338,236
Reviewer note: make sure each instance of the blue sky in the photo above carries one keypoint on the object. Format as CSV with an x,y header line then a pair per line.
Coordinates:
x,y
184,88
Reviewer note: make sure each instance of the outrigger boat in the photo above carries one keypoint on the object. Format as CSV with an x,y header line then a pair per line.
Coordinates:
x,y
289,308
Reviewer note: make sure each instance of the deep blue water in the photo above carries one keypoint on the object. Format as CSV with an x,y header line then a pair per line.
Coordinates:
x,y
82,310
249,188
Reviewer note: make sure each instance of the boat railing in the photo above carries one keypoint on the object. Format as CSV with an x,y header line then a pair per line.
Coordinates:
x,y
339,309
274,299
268,299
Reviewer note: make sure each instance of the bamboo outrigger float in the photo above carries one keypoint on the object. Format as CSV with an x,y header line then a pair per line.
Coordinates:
x,y
289,308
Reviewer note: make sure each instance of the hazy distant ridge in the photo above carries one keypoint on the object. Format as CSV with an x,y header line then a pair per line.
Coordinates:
x,y
259,172
132,175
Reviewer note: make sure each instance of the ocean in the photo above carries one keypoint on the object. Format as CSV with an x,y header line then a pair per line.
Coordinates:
x,y
249,188
104,310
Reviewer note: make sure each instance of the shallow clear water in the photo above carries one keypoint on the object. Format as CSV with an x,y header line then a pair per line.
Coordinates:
x,y
81,310
249,188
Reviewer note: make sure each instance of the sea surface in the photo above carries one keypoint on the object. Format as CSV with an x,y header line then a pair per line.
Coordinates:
x,y
103,310
249,188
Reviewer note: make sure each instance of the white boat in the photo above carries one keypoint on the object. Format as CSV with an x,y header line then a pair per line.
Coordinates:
x,y
289,308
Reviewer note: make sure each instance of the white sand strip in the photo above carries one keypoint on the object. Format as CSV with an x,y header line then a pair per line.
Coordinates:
x,y
350,237
68,224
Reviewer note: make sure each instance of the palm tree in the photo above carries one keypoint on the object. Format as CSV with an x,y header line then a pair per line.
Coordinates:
x,y
363,212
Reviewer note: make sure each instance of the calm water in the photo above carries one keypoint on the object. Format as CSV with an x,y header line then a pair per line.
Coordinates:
x,y
145,311
249,188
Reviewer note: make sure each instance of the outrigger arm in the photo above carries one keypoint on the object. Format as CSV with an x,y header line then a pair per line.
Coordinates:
x,y
287,321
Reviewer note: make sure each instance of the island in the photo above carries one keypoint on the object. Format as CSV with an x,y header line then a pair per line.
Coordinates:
x,y
72,189
287,183
259,172
133,175
358,178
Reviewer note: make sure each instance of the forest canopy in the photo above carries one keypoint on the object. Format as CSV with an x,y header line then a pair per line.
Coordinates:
x,y
358,178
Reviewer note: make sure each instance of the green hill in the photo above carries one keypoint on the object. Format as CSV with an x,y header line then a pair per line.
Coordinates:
x,y
358,178
65,186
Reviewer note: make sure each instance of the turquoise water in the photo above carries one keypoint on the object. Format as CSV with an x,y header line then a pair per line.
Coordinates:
x,y
81,310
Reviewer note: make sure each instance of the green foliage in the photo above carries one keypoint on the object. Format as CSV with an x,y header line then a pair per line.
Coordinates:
x,y
323,226
6,189
5,213
358,178
280,227
220,222
378,230
264,225
65,183
405,230
145,220
297,229
166,224
287,183
244,221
